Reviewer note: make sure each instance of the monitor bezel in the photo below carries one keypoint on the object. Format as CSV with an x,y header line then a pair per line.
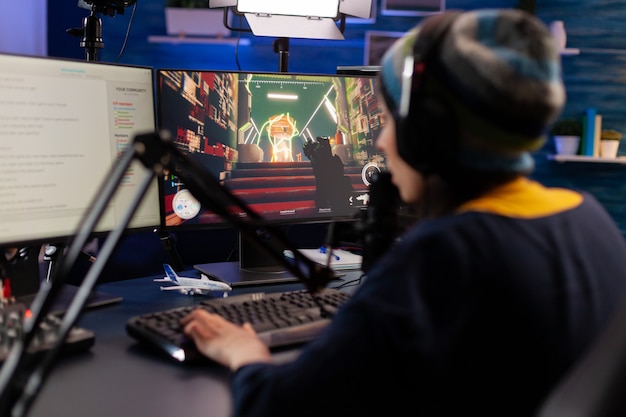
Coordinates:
x,y
354,217
58,238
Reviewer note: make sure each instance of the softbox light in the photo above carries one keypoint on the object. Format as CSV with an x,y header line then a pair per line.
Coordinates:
x,y
296,19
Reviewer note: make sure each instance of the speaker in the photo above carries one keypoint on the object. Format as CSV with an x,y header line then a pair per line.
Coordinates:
x,y
426,130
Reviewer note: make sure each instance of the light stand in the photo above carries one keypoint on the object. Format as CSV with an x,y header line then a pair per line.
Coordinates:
x,y
281,47
284,32
20,379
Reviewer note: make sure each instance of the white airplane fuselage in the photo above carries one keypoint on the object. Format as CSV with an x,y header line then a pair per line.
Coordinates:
x,y
190,286
203,284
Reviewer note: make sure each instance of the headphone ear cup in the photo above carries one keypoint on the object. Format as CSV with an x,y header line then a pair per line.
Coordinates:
x,y
429,137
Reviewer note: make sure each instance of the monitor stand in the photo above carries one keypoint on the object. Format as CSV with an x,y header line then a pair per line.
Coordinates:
x,y
255,267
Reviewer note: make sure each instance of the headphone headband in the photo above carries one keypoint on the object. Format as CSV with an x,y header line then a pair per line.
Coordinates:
x,y
429,37
420,119
495,73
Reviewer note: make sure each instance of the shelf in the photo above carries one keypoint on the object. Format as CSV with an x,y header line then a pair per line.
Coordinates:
x,y
597,51
604,51
579,158
199,40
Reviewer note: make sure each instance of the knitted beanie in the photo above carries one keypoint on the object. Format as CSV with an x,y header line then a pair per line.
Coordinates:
x,y
500,73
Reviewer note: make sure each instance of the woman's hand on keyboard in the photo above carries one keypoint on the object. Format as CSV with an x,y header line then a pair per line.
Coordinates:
x,y
224,342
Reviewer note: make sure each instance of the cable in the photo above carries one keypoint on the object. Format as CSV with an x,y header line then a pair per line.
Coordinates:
x,y
130,21
350,283
237,44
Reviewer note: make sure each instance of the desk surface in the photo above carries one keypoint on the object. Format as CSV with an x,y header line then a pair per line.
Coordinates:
x,y
119,377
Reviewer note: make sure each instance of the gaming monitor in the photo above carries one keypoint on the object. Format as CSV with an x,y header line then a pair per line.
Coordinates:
x,y
294,148
63,124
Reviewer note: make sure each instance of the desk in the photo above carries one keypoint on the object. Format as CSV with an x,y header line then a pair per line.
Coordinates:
x,y
119,378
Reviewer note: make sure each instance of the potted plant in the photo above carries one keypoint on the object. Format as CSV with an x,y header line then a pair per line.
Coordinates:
x,y
610,134
194,18
567,127
609,143
567,134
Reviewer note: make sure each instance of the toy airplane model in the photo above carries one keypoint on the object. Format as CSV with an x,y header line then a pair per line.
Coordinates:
x,y
191,286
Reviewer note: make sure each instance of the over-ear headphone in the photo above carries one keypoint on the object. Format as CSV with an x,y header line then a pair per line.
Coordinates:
x,y
426,131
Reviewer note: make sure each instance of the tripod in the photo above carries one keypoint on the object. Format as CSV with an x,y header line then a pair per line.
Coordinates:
x,y
91,30
92,36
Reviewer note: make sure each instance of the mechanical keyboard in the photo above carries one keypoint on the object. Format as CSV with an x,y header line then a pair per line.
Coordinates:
x,y
11,328
280,319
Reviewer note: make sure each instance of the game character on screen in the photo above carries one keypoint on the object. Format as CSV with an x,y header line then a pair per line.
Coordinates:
x,y
332,188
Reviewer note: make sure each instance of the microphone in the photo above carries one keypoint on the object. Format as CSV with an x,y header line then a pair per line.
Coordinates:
x,y
381,219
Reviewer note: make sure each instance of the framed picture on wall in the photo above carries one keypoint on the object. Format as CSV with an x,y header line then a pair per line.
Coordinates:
x,y
376,43
412,7
359,20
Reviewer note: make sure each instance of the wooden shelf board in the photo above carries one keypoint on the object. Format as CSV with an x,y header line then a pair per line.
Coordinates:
x,y
581,158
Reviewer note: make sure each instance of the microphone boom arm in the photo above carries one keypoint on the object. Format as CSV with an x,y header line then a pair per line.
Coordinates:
x,y
220,200
20,380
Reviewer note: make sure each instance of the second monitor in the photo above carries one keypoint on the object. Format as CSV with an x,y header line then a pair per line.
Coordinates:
x,y
294,148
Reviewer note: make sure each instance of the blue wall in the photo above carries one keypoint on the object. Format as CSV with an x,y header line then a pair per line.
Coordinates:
x,y
15,17
311,56
596,77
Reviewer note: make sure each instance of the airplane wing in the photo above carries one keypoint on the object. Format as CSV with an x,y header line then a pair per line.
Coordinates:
x,y
182,287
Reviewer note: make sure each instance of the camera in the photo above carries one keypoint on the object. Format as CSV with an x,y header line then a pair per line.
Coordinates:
x,y
108,7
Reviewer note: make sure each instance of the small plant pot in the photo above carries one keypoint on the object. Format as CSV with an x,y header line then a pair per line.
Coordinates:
x,y
567,145
608,148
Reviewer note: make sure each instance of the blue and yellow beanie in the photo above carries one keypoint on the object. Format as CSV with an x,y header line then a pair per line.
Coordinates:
x,y
500,73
